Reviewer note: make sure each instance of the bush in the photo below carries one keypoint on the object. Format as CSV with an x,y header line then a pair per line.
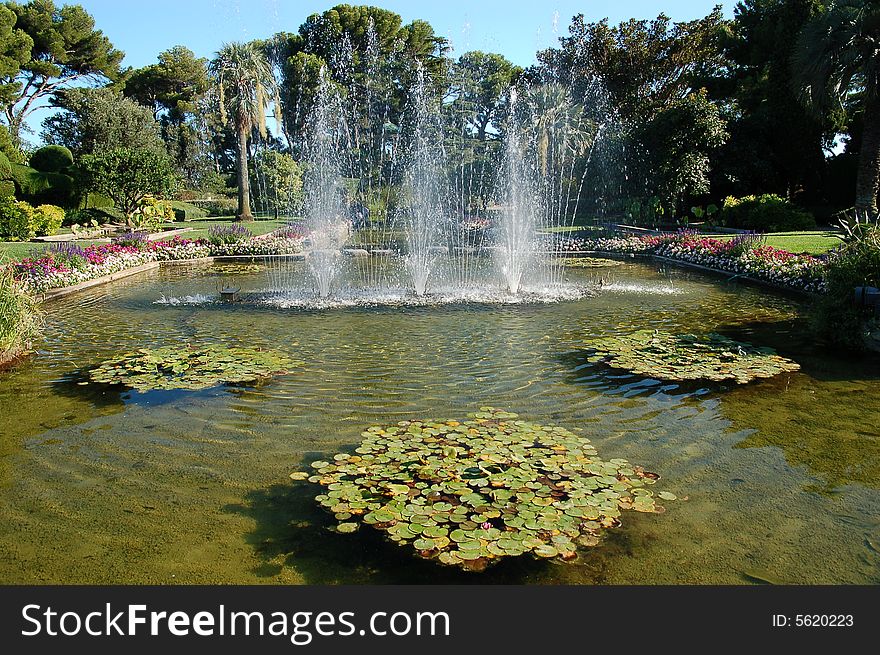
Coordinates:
x,y
223,234
16,220
5,167
95,200
218,206
7,188
51,159
56,188
184,211
766,213
20,316
47,219
99,215
857,263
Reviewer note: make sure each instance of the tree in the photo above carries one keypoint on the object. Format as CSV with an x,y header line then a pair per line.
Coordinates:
x,y
644,65
93,120
127,175
369,52
635,73
15,51
175,88
681,140
66,48
775,145
481,83
283,180
245,87
837,55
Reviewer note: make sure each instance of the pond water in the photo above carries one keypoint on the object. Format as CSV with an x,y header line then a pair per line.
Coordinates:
x,y
781,478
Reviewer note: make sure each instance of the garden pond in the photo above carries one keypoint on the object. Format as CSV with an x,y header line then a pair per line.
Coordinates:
x,y
778,481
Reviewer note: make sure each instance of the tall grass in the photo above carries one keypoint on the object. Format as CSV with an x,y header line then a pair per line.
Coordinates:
x,y
20,316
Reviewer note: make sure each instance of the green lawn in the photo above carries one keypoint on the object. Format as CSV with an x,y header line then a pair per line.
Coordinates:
x,y
203,226
814,242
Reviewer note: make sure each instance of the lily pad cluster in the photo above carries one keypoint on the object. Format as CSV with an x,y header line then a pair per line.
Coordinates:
x,y
684,357
591,262
190,367
470,493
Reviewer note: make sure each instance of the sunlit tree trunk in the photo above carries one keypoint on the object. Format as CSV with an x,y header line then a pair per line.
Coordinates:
x,y
244,184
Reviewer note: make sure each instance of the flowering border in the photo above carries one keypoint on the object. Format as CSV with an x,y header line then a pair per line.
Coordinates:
x,y
64,267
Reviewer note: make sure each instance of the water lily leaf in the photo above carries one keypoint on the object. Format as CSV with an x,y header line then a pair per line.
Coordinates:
x,y
470,493
191,367
684,357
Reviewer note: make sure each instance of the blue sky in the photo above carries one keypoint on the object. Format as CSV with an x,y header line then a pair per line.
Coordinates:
x,y
516,29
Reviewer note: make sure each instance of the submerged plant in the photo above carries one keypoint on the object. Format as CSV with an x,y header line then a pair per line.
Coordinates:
x,y
591,262
682,357
188,367
470,493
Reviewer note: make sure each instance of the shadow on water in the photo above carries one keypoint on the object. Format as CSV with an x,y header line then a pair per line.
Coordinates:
x,y
292,531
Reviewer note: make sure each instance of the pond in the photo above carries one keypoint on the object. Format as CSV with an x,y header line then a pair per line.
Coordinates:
x,y
780,479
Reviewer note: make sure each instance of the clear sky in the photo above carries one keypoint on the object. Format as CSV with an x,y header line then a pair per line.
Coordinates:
x,y
514,28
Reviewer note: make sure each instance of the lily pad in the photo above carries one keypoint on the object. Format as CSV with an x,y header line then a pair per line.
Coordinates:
x,y
191,367
479,490
688,357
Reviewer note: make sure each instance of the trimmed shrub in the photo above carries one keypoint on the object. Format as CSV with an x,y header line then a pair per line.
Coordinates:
x,y
7,188
100,215
55,188
47,219
218,206
765,213
51,159
94,200
5,167
16,220
184,211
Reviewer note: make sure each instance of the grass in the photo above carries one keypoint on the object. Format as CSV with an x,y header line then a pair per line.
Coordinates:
x,y
814,242
202,226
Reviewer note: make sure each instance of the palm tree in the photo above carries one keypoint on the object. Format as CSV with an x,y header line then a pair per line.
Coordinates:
x,y
245,87
838,54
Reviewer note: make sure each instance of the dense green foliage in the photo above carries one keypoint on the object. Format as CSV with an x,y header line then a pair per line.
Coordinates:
x,y
93,120
62,47
765,213
689,112
838,319
127,175
51,159
19,221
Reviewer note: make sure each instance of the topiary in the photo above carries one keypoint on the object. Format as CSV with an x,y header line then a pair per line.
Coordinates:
x,y
5,167
51,159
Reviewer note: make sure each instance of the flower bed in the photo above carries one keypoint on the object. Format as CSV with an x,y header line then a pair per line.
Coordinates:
x,y
744,255
66,264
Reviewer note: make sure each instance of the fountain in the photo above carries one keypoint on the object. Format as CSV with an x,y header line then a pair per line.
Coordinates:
x,y
326,209
443,239
517,248
424,214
